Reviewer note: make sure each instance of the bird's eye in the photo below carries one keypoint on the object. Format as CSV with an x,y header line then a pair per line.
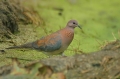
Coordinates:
x,y
73,22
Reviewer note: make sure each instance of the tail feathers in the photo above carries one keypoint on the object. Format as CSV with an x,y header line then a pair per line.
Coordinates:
x,y
28,45
13,47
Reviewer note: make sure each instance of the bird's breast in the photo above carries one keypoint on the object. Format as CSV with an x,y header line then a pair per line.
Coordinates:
x,y
67,36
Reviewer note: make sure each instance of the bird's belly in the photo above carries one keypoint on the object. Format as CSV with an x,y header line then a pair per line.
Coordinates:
x,y
57,52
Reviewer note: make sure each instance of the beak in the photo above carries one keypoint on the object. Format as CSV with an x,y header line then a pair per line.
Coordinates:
x,y
79,26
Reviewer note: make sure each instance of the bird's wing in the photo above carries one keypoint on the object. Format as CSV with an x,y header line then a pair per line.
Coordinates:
x,y
48,44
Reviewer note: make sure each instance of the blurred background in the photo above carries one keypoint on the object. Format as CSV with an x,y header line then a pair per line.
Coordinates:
x,y
99,19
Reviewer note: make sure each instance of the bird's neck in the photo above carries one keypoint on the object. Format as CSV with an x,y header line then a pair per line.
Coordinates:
x,y
68,34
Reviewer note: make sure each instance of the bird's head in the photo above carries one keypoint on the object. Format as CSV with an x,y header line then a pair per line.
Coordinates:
x,y
73,24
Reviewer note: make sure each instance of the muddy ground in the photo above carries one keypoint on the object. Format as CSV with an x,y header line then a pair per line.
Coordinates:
x,y
103,64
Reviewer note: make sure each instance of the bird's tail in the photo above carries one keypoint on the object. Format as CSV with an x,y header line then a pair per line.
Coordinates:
x,y
3,51
13,47
28,45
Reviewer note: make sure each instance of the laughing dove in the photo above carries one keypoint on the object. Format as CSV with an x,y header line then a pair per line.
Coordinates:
x,y
55,43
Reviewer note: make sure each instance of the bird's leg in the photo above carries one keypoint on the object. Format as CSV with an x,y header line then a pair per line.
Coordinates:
x,y
62,54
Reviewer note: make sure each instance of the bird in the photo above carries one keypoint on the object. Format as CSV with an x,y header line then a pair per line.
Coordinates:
x,y
55,43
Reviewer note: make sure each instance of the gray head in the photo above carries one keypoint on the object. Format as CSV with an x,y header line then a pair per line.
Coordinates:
x,y
73,24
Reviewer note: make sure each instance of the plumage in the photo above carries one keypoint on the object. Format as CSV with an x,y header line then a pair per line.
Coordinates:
x,y
55,43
